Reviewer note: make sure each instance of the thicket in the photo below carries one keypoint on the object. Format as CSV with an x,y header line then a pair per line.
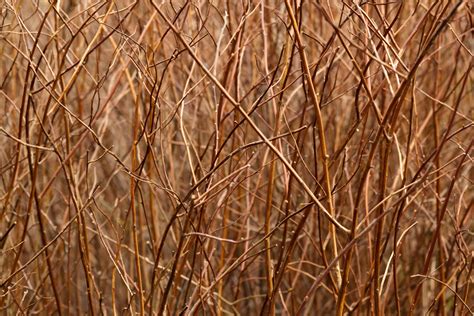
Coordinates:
x,y
210,157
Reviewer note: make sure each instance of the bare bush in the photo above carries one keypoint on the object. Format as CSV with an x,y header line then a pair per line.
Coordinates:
x,y
236,157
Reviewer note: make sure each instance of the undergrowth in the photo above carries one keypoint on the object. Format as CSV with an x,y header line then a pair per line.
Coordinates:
x,y
246,157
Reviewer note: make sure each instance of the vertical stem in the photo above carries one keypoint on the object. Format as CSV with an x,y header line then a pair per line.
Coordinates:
x,y
322,138
133,206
